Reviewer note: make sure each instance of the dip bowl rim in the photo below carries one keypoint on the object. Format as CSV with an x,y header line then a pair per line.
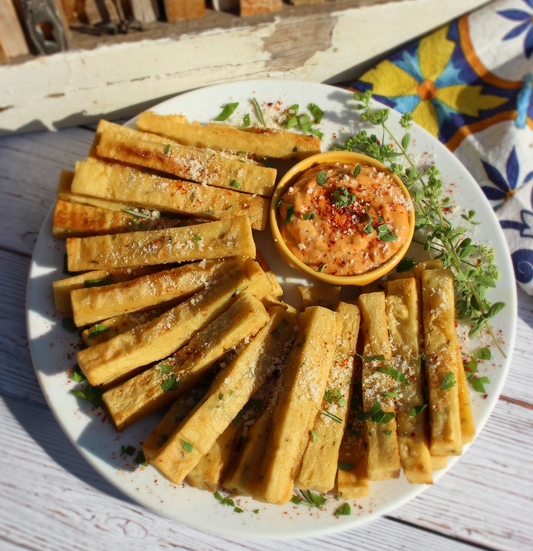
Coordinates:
x,y
292,175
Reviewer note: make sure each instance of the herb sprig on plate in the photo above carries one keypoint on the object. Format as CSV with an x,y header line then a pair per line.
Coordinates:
x,y
472,264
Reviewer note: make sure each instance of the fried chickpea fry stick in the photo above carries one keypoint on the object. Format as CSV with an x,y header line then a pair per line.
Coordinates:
x,y
381,437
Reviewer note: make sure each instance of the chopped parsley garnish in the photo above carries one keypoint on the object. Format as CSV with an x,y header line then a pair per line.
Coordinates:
x,y
357,170
224,500
305,122
238,510
379,358
417,409
230,207
69,325
314,435
137,214
369,228
478,383
127,450
77,375
344,509
258,111
291,122
316,112
167,149
279,203
165,368
483,354
191,198
246,120
96,283
405,265
334,396
376,414
186,446
398,375
321,267
309,216
90,393
345,466
321,178
170,384
309,498
98,329
318,133
267,162
196,238
227,111
256,511
290,212
331,416
448,381
384,234
139,224
141,460
342,197
387,432
392,393
235,184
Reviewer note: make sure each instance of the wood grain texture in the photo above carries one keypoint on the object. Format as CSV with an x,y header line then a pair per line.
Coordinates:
x,y
118,78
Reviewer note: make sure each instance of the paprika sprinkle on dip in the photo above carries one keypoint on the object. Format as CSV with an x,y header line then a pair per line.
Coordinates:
x,y
344,219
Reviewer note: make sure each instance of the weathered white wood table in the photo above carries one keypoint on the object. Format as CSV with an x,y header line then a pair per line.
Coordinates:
x,y
51,499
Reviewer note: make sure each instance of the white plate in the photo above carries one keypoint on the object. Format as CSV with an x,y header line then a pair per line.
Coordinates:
x,y
53,348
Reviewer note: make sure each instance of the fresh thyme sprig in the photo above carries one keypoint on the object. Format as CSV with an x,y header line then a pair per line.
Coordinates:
x,y
473,264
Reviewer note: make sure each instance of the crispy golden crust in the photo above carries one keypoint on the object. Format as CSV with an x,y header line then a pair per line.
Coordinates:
x,y
99,303
328,297
144,394
227,396
201,242
307,371
261,142
404,318
468,429
190,163
319,466
441,359
161,337
382,447
132,186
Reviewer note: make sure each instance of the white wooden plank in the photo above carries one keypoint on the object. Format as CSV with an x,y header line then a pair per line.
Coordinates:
x,y
51,499
80,86
31,164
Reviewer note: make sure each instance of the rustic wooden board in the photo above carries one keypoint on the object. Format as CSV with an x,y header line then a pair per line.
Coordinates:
x,y
338,42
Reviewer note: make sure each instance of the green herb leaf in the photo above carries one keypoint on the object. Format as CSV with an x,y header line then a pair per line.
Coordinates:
x,y
316,112
98,329
77,375
127,450
90,393
342,198
258,111
170,384
186,446
384,234
139,224
279,203
227,111
321,178
392,393
246,120
238,510
256,511
387,432
309,216
344,509
165,368
69,325
405,265
331,416
478,383
345,466
296,500
290,212
448,381
398,375
379,416
357,170
417,409
314,435
196,238
235,184
96,283
167,149
321,267
141,460
230,207
483,354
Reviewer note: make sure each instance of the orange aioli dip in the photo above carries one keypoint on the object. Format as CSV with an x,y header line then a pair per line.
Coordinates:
x,y
335,228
